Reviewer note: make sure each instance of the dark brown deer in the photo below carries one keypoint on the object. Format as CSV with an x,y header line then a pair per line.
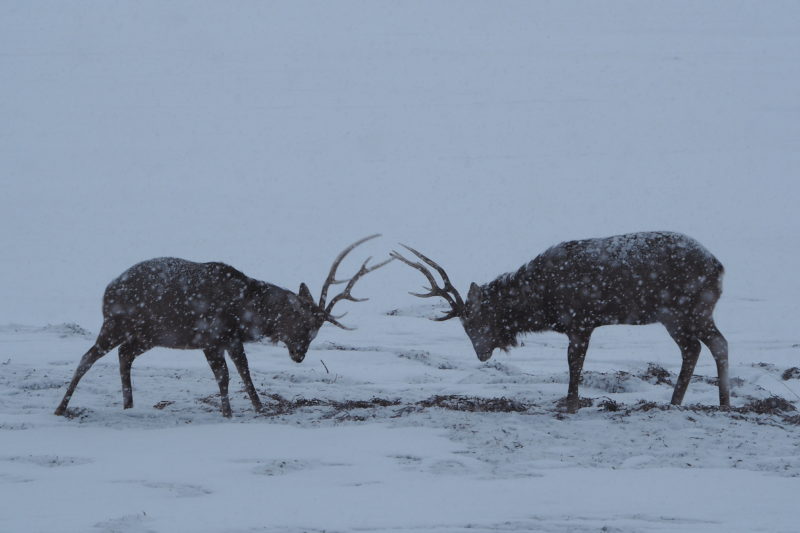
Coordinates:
x,y
213,307
577,286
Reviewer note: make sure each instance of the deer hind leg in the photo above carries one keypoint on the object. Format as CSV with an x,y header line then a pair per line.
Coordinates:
x,y
240,360
127,353
576,353
718,346
216,359
107,339
690,350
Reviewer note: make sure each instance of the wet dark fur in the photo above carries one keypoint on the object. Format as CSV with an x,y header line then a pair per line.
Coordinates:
x,y
576,286
175,303
584,285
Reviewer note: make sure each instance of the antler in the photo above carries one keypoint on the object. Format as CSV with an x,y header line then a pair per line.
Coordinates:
x,y
345,294
448,292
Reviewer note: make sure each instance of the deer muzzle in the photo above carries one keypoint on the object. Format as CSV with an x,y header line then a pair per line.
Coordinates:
x,y
484,356
297,356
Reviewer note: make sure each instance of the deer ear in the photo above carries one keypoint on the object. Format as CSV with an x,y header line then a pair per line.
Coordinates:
x,y
474,294
304,293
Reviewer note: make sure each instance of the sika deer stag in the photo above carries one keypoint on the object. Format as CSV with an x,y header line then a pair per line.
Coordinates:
x,y
175,303
576,286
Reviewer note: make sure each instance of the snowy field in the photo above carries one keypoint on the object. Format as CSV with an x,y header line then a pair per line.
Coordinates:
x,y
271,135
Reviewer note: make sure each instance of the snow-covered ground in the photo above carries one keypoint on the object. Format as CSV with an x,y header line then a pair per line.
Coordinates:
x,y
388,438
271,135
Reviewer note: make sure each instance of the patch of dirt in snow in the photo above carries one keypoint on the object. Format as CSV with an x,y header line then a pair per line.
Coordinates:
x,y
791,373
130,523
774,405
656,375
328,345
339,410
427,359
455,402
300,377
360,410
48,461
179,490
281,467
64,330
407,460
14,426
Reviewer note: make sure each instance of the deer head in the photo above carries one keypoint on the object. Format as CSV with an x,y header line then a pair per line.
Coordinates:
x,y
300,324
479,314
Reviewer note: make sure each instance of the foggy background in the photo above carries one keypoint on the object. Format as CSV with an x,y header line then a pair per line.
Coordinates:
x,y
271,135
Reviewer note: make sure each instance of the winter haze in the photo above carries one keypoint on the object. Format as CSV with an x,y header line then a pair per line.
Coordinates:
x,y
270,135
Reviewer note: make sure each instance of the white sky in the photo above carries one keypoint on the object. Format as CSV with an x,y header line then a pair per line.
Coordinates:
x,y
271,135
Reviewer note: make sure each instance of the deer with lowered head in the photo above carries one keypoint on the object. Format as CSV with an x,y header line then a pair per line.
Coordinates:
x,y
577,286
213,307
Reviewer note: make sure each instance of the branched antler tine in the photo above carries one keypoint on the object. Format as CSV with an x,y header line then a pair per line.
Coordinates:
x,y
433,293
429,294
419,267
339,317
448,286
370,269
345,294
452,314
435,290
337,324
379,265
332,274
